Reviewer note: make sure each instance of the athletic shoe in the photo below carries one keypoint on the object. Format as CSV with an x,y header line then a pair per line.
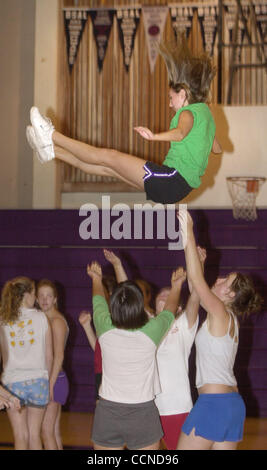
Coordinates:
x,y
43,129
32,141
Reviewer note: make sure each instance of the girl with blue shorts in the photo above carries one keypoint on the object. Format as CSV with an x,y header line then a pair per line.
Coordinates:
x,y
26,348
59,386
217,418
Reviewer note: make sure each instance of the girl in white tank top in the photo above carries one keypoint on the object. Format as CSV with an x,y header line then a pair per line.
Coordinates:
x,y
26,347
215,356
217,418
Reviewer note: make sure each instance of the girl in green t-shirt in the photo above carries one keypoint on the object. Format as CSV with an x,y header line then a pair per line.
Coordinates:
x,y
191,134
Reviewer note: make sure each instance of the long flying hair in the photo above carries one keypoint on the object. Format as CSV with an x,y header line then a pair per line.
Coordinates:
x,y
193,73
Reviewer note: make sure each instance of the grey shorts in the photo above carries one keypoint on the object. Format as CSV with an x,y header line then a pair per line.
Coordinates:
x,y
133,425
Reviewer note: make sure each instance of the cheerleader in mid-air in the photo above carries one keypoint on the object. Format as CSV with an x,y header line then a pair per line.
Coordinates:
x,y
191,136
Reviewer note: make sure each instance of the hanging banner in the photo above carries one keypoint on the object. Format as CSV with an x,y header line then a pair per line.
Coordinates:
x,y
230,16
75,21
231,12
128,21
261,20
208,20
102,23
154,23
182,18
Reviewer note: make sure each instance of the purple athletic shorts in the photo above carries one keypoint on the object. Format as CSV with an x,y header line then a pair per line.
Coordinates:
x,y
61,388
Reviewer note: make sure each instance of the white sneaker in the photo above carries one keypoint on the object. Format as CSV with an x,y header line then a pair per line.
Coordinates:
x,y
43,130
32,141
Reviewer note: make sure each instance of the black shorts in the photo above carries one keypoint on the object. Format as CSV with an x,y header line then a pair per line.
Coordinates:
x,y
164,184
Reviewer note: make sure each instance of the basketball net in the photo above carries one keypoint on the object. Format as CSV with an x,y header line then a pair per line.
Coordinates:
x,y
243,191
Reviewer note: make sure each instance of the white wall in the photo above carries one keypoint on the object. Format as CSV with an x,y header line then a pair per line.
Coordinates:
x,y
242,133
17,22
46,177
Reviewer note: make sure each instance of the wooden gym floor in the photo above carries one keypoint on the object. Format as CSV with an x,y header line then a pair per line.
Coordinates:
x,y
76,431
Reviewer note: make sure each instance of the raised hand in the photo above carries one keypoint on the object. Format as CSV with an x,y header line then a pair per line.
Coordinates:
x,y
94,270
185,218
85,318
202,253
178,277
111,257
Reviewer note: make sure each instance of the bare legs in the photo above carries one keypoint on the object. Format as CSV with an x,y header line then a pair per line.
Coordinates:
x,y
26,425
51,427
126,167
193,442
91,169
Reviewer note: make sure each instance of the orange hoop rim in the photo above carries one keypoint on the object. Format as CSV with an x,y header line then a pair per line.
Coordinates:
x,y
246,178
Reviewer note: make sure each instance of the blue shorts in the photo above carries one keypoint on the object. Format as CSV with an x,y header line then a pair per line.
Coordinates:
x,y
34,392
217,417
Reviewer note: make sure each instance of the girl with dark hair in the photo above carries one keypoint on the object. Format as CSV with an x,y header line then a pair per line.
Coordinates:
x,y
85,318
47,297
26,347
191,136
217,418
126,414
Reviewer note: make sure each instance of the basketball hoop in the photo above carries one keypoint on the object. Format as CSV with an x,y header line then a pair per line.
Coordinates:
x,y
243,191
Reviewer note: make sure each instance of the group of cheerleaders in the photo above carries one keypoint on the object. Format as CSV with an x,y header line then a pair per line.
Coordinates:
x,y
144,395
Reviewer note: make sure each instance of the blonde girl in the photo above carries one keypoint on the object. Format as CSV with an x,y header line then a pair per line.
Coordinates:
x,y
26,347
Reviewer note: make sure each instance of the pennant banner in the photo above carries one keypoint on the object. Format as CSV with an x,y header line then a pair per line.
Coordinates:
x,y
154,23
261,20
128,21
102,23
208,19
230,15
231,10
75,21
182,18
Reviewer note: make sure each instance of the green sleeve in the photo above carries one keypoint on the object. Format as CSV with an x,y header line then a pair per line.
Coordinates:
x,y
101,315
157,327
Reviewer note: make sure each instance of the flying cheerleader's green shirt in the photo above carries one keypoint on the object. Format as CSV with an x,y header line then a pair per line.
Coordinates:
x,y
190,155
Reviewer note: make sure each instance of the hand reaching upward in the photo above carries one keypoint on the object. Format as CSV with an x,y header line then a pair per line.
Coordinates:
x,y
94,271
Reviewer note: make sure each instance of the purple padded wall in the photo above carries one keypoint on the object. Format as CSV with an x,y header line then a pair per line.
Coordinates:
x,y
44,243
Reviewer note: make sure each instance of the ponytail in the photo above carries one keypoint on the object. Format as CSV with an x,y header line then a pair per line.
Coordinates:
x,y
247,300
12,296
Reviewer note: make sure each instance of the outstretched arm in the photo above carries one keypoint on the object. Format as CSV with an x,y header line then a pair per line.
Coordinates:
x,y
212,304
120,273
85,320
192,306
94,271
177,279
183,128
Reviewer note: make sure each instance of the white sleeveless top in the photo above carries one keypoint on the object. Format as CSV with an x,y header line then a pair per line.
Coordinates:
x,y
23,347
215,356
